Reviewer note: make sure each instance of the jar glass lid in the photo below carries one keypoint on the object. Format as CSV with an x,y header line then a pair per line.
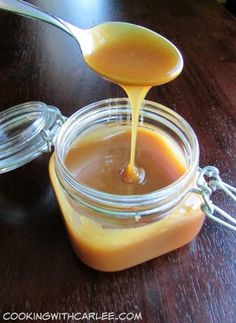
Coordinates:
x,y
26,131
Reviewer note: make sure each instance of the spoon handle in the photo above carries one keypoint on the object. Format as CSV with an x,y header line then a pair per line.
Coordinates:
x,y
25,9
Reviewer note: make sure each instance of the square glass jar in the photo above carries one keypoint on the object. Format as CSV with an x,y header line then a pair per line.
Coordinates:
x,y
112,232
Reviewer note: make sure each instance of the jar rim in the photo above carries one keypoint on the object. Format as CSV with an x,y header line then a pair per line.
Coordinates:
x,y
114,199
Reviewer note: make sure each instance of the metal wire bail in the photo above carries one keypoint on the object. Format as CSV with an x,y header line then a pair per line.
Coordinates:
x,y
207,183
47,134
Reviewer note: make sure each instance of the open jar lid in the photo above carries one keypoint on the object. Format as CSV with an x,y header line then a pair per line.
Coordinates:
x,y
26,131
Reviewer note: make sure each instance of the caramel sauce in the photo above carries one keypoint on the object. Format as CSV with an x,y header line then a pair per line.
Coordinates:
x,y
136,59
95,160
127,54
103,155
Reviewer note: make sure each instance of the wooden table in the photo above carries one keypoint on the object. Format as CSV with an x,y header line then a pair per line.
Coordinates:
x,y
39,272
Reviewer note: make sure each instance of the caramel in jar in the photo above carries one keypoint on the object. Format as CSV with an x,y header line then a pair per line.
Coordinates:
x,y
112,247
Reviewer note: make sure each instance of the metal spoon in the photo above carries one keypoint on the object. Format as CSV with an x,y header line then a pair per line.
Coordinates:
x,y
26,9
92,40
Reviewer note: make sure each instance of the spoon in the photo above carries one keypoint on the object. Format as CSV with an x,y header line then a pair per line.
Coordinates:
x,y
26,9
111,48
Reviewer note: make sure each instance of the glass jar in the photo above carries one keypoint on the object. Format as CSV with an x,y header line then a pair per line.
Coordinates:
x,y
112,232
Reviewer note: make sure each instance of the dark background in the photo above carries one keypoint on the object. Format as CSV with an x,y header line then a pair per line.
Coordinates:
x,y
38,269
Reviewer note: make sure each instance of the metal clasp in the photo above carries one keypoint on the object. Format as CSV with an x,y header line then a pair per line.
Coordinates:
x,y
48,134
207,183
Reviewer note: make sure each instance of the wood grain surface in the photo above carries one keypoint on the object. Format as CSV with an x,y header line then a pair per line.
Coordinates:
x,y
38,269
